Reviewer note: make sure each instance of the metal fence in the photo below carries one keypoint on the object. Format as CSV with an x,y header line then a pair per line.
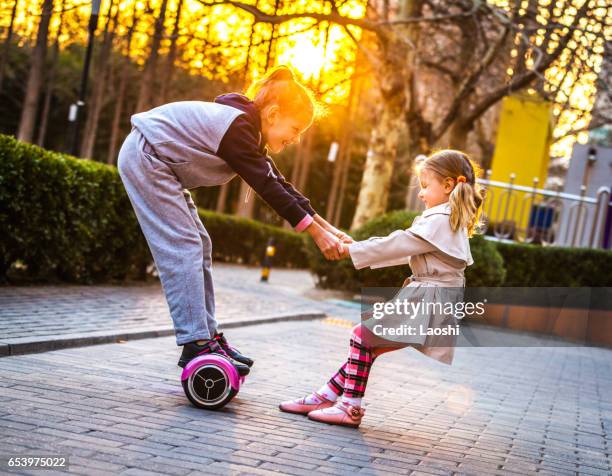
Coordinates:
x,y
533,215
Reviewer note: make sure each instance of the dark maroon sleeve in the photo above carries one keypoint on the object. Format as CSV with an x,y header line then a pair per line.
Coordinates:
x,y
240,149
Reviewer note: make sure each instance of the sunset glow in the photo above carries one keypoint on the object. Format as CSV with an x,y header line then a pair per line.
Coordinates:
x,y
323,55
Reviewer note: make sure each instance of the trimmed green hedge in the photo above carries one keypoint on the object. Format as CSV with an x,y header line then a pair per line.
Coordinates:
x,y
240,240
487,270
70,220
64,218
540,266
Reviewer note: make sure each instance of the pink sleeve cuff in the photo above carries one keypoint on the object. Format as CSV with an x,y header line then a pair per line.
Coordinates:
x,y
304,223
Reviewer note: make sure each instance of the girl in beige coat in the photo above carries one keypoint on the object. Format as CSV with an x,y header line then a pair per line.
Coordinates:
x,y
437,249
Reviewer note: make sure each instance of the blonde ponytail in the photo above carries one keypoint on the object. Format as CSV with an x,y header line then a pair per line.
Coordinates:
x,y
466,207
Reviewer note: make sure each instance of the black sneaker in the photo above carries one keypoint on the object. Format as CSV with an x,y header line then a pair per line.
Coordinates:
x,y
192,349
231,351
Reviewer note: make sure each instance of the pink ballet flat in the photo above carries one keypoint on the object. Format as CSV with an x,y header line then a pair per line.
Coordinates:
x,y
350,415
299,406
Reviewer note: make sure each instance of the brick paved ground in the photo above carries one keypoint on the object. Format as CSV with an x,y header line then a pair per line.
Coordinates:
x,y
119,409
35,318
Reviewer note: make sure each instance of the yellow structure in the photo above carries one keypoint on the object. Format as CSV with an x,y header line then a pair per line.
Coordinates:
x,y
521,148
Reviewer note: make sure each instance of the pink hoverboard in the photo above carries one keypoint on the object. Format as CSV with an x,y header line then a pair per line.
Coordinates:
x,y
210,381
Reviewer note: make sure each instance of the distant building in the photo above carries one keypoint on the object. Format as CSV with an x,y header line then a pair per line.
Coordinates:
x,y
591,163
591,167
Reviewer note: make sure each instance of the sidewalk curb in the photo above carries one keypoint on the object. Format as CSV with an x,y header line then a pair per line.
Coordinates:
x,y
26,345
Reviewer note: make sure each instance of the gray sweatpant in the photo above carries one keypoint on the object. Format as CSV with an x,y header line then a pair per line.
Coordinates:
x,y
179,243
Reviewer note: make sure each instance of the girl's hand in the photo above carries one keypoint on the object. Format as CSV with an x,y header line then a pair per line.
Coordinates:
x,y
327,243
343,237
343,250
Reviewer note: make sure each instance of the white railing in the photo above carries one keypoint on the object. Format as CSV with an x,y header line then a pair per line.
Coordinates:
x,y
534,215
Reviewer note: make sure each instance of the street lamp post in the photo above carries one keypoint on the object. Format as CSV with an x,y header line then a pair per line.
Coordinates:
x,y
75,109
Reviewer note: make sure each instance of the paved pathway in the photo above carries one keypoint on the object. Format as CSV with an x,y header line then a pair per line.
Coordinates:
x,y
120,409
41,318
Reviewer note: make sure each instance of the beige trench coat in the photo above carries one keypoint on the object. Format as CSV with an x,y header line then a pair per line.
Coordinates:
x,y
437,257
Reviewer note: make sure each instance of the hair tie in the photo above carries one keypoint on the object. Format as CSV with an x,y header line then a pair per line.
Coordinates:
x,y
461,178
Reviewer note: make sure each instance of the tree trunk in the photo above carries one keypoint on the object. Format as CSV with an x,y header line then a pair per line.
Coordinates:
x,y
7,44
35,78
167,77
377,174
458,135
272,36
346,156
297,163
307,158
343,156
222,198
398,108
116,126
417,130
296,170
42,131
338,167
346,165
246,203
97,95
145,97
382,149
245,77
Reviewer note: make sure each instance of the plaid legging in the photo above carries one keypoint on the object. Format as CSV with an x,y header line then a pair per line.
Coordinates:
x,y
351,379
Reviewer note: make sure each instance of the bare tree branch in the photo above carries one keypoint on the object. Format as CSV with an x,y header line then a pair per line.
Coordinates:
x,y
366,53
525,79
441,68
335,17
263,17
223,45
594,123
468,84
477,5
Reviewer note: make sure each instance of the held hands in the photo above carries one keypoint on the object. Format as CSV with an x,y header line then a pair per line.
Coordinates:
x,y
343,241
328,244
343,250
332,243
343,237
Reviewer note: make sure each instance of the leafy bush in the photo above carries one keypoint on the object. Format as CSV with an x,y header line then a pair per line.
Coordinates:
x,y
70,220
532,265
240,240
64,218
